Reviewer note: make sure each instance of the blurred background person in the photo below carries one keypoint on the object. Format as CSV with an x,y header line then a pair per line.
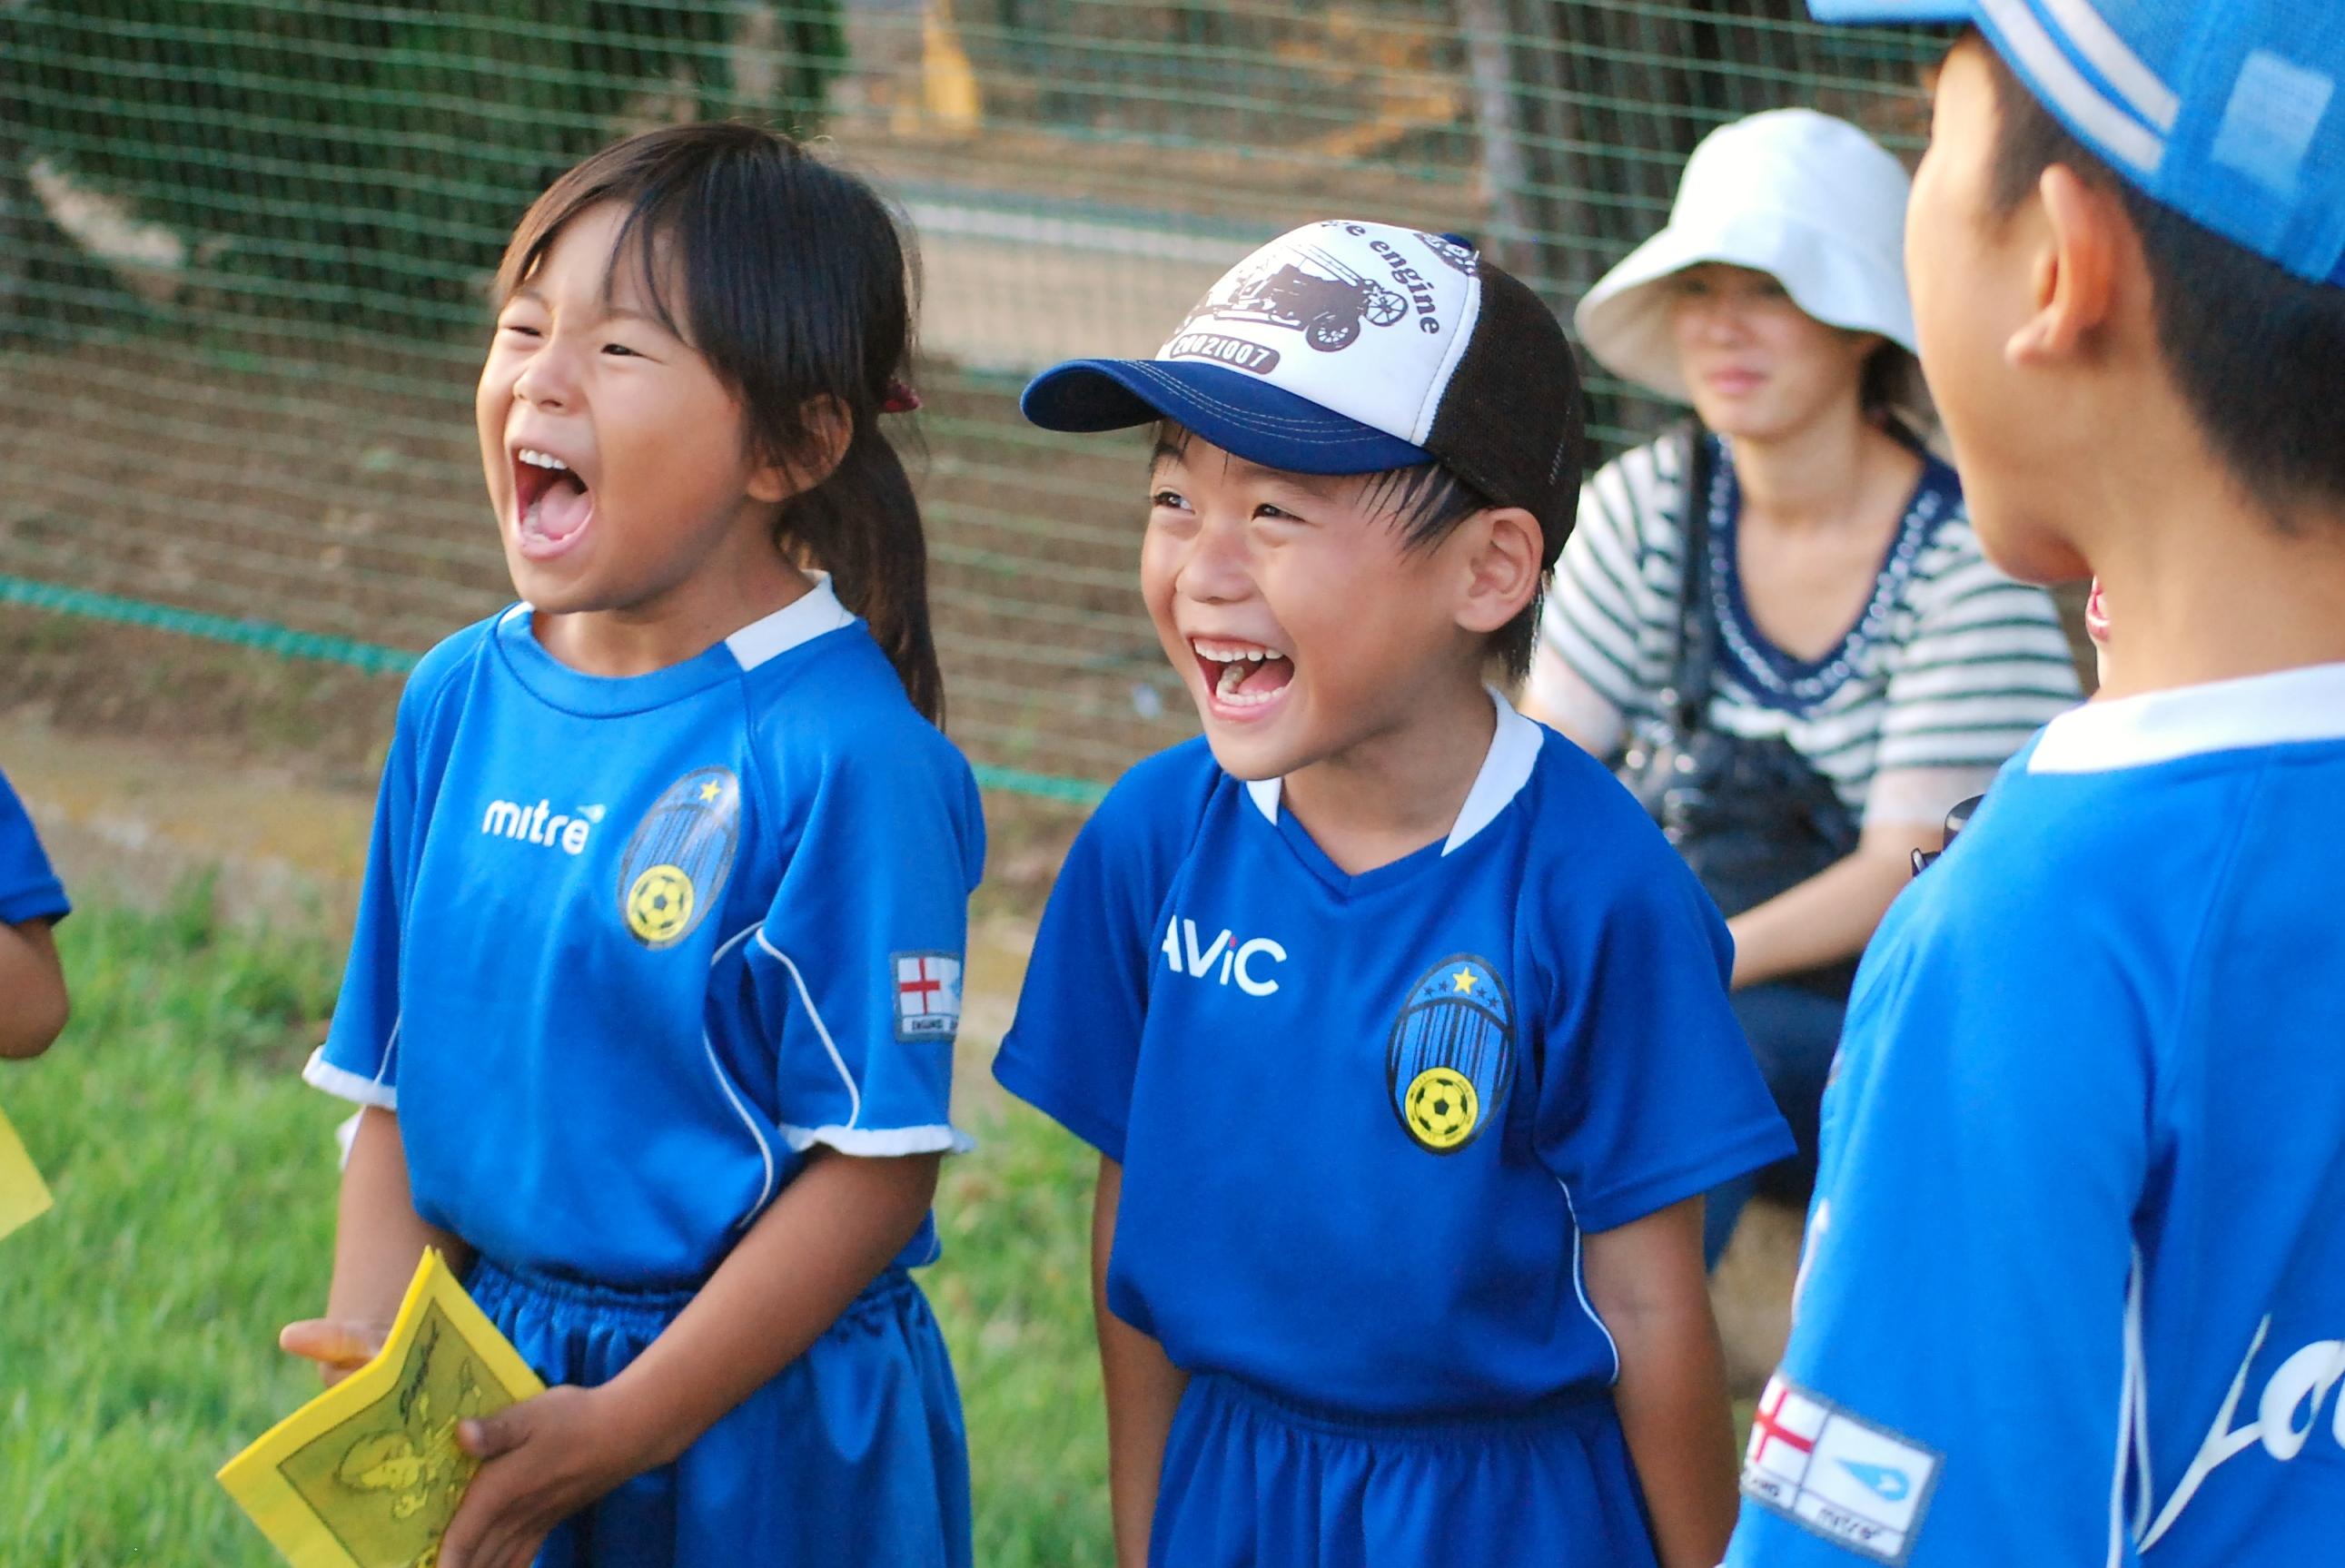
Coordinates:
x,y
1775,620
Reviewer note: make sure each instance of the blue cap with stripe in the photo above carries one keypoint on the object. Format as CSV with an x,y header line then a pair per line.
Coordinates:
x,y
2227,112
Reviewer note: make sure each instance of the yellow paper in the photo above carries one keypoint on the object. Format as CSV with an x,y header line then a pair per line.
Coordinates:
x,y
22,1195
368,1475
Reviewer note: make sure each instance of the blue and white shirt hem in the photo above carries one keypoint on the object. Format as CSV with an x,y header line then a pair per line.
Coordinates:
x,y
343,1084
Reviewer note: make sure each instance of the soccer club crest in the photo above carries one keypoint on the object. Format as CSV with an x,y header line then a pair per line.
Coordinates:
x,y
676,864
1452,1057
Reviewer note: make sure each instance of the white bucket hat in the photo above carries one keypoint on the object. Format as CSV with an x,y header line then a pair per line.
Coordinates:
x,y
1811,200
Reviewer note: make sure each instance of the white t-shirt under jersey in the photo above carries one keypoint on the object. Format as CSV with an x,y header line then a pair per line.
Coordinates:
x,y
1949,670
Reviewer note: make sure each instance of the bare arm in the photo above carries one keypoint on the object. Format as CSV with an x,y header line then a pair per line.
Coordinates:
x,y
33,982
1832,914
1646,1280
1556,696
1143,1389
839,1222
377,1240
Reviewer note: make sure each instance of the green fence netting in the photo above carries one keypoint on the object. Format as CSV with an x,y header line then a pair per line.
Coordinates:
x,y
243,245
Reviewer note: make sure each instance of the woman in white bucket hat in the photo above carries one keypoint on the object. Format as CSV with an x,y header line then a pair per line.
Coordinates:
x,y
1842,666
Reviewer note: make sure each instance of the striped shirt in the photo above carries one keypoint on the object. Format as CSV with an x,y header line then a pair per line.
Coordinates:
x,y
1947,673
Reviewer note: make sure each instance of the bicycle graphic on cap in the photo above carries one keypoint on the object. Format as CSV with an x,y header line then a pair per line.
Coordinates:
x,y
1327,306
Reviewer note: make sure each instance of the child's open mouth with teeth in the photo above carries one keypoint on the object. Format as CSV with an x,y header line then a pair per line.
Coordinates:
x,y
551,504
1241,676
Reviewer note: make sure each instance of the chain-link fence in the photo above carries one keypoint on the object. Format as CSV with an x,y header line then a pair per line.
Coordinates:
x,y
243,245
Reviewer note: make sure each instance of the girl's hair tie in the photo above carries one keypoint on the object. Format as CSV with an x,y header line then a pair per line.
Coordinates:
x,y
900,399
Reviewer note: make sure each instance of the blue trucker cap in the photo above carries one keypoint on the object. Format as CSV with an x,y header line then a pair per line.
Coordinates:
x,y
1349,347
2227,111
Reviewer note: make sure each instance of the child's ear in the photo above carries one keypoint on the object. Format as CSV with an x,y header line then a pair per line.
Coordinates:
x,y
2074,278
828,428
1501,565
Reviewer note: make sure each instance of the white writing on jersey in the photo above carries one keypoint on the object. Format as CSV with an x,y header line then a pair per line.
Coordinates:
x,y
1225,960
2297,1388
531,825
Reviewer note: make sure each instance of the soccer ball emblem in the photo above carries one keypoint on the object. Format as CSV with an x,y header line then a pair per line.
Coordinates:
x,y
1441,1109
659,905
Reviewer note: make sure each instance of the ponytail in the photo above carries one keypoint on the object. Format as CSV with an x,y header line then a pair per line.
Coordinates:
x,y
862,525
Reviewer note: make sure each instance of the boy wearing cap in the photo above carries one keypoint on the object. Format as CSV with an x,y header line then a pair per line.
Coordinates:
x,y
2075,1289
1401,1032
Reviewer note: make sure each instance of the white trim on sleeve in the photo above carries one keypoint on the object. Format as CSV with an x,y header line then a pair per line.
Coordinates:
x,y
880,1143
343,1084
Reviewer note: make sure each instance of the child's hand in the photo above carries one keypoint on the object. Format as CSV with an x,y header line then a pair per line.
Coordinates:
x,y
340,1347
544,1459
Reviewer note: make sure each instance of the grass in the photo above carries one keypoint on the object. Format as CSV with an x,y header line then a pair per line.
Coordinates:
x,y
193,1176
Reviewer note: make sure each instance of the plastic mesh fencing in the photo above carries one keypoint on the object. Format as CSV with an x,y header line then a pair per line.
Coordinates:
x,y
244,244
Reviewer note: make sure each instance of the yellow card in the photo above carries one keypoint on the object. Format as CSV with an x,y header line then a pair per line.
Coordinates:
x,y
22,1195
368,1475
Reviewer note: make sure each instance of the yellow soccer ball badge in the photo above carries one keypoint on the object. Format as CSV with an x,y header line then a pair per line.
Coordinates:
x,y
1442,1108
1452,1055
659,905
674,869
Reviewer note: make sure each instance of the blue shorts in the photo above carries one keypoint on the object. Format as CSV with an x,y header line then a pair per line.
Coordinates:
x,y
1255,1481
853,1455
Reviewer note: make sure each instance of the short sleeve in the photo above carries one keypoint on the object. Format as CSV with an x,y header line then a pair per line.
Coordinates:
x,y
1599,606
858,963
1984,666
359,1062
1073,1050
29,888
1954,1388
1648,1093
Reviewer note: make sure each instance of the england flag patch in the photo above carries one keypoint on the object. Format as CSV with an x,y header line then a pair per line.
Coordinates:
x,y
1859,1486
928,995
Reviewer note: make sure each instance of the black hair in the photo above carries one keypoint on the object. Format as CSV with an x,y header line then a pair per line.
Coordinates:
x,y
797,287
1886,380
1426,502
2253,348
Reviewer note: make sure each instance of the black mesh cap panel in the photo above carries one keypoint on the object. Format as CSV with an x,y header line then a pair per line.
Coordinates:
x,y
1513,420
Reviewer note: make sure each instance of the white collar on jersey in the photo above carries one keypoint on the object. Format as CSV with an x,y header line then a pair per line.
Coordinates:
x,y
2286,708
802,620
1506,769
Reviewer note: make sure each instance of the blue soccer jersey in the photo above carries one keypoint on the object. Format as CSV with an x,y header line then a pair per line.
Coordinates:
x,y
2075,1290
29,889
628,948
1364,1119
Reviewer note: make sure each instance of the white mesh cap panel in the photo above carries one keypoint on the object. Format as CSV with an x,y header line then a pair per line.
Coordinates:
x,y
1365,319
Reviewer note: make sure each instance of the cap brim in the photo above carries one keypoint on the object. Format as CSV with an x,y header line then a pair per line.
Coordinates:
x,y
1238,414
1914,11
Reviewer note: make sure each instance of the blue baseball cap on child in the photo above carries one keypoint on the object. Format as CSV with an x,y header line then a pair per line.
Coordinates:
x,y
2227,111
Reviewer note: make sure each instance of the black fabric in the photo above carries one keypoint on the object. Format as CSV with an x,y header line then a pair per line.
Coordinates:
x,y
1750,817
1513,422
